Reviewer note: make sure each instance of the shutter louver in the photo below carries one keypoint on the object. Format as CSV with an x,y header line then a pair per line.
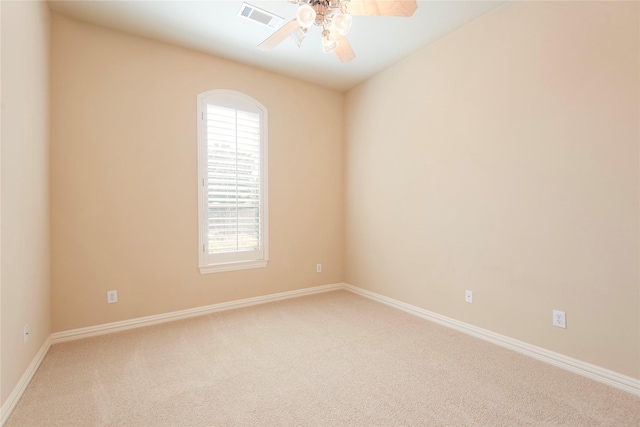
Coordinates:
x,y
233,180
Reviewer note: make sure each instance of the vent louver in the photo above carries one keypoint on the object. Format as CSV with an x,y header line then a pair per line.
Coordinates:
x,y
261,16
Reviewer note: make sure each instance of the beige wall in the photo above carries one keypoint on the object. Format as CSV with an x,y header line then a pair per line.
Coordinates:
x,y
25,186
504,159
124,178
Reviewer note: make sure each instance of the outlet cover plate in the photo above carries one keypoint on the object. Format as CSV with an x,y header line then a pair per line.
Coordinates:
x,y
559,319
468,296
112,297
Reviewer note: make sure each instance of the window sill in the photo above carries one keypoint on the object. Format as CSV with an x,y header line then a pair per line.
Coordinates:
x,y
231,266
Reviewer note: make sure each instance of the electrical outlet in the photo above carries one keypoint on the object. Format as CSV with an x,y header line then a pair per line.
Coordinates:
x,y
112,296
468,296
318,268
559,319
25,333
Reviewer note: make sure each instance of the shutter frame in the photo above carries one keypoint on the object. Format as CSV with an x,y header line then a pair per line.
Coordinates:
x,y
228,172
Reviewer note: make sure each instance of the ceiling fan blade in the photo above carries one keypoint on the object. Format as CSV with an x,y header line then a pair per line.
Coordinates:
x,y
279,36
382,7
343,50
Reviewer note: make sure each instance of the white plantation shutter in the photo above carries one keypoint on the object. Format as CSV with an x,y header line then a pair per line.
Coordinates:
x,y
232,150
233,180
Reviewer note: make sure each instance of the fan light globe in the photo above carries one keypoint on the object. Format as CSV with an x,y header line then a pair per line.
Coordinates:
x,y
329,44
306,16
342,23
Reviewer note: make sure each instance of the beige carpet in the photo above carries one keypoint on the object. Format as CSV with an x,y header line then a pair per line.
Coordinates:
x,y
329,359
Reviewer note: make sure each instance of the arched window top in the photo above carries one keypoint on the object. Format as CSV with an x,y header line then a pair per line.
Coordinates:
x,y
231,99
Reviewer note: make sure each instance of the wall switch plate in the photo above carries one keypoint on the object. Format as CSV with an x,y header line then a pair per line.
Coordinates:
x,y
468,296
559,319
318,268
25,333
112,296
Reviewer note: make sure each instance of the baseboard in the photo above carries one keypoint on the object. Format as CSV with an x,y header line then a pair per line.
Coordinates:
x,y
108,328
596,373
19,389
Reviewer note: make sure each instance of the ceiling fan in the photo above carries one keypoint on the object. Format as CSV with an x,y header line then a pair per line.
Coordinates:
x,y
334,17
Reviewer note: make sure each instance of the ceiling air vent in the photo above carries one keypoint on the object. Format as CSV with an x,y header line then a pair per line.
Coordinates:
x,y
253,13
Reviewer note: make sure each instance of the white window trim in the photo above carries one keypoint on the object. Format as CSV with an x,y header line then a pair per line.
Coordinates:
x,y
232,99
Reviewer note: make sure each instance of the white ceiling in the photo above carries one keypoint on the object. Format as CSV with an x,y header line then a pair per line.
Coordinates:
x,y
215,27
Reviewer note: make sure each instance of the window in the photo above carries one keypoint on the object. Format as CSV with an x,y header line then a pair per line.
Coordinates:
x,y
232,181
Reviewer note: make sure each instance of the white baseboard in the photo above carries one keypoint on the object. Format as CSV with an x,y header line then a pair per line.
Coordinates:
x,y
19,389
606,376
611,378
140,322
109,328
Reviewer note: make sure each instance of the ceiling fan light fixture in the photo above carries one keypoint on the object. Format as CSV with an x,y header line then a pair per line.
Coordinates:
x,y
329,43
334,17
306,16
342,23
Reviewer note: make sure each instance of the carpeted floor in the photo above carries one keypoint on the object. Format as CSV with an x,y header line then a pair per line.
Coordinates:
x,y
328,359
